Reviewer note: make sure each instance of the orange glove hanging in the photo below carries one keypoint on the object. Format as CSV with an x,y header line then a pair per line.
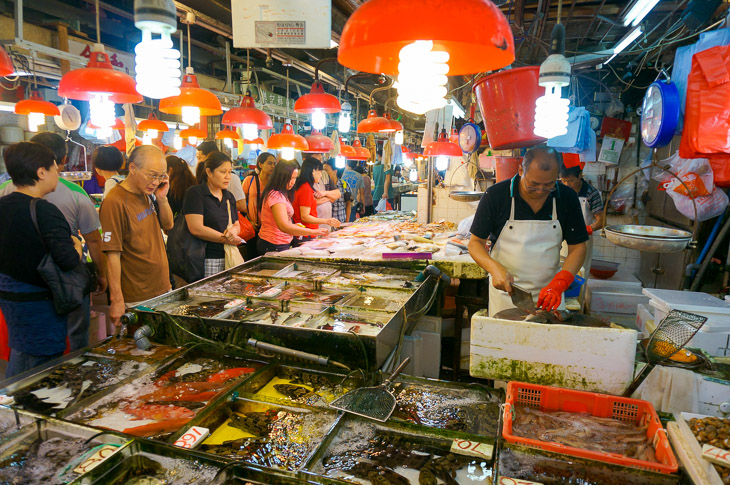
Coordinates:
x,y
551,296
590,230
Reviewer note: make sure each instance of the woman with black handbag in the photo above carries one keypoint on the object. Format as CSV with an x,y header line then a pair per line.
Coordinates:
x,y
253,187
36,330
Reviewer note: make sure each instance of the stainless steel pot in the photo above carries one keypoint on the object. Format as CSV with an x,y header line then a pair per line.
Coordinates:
x,y
651,239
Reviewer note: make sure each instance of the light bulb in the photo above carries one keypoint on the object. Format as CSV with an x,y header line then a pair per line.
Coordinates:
x,y
177,142
250,131
287,153
551,113
442,163
399,137
413,175
191,115
35,120
340,161
319,119
147,139
228,142
344,122
152,133
104,133
157,65
407,161
101,109
193,140
422,77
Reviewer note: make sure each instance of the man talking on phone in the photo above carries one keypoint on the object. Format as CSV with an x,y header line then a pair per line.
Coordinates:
x,y
133,216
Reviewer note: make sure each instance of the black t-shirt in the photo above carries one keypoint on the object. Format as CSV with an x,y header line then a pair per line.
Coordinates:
x,y
199,200
494,209
20,246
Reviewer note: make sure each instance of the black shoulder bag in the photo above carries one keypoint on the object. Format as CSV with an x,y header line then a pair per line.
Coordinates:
x,y
69,288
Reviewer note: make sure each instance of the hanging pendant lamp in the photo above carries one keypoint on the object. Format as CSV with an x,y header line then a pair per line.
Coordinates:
x,y
442,149
192,102
6,64
374,124
394,124
37,109
152,126
347,151
318,104
361,153
228,136
100,85
193,134
318,143
248,117
287,141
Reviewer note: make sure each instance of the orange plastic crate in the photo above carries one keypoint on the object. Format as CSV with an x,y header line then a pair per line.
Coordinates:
x,y
635,411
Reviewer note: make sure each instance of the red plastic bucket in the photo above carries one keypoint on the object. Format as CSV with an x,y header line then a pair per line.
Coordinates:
x,y
507,102
507,167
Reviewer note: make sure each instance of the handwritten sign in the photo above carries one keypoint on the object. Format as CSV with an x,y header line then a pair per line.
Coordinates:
x,y
102,453
516,481
472,448
192,437
716,455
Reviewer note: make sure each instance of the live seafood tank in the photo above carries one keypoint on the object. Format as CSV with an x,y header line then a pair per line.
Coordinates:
x,y
360,451
352,314
158,404
53,453
264,434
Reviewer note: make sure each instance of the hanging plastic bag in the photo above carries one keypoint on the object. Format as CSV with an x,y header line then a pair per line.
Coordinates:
x,y
720,170
696,173
381,205
623,197
708,206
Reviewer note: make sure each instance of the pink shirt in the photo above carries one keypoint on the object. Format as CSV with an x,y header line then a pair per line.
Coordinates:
x,y
269,230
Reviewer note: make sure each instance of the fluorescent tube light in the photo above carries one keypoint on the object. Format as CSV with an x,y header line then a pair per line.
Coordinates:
x,y
640,10
627,40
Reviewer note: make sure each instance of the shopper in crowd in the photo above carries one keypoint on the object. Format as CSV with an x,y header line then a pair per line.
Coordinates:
x,y
367,183
353,183
277,229
133,216
209,208
82,218
305,204
339,207
383,184
234,187
106,162
36,333
253,189
397,175
180,181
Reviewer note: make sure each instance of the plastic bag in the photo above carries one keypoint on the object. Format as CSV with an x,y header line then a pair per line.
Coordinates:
x,y
696,173
721,169
623,198
381,205
464,228
708,206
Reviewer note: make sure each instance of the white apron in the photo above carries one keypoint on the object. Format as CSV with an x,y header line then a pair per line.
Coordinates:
x,y
585,208
530,251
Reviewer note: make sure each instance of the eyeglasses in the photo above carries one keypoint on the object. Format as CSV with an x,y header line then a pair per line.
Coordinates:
x,y
535,187
154,178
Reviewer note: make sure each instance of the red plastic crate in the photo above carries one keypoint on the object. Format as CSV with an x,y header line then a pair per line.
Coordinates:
x,y
635,411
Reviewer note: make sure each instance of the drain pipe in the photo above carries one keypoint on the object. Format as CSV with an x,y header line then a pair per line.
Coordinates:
x,y
710,254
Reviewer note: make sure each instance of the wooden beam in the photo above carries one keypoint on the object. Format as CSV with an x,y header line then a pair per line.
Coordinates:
x,y
62,30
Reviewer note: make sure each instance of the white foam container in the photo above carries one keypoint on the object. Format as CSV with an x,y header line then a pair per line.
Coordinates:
x,y
612,302
717,311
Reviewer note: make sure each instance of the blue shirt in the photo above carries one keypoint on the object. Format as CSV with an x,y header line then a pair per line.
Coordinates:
x,y
353,182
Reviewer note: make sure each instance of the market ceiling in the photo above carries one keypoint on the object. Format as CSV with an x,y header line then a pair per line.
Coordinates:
x,y
591,26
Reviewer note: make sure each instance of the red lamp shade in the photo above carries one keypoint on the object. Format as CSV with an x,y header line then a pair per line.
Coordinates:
x,y
317,100
255,141
347,151
223,134
395,124
36,104
247,114
6,64
392,127
404,149
152,123
442,147
374,124
191,94
318,143
118,125
361,153
475,33
193,132
454,136
287,139
99,77
572,160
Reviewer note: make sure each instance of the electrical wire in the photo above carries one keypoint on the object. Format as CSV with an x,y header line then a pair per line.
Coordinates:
x,y
98,30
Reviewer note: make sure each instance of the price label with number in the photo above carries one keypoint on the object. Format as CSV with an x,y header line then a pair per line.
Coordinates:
x,y
102,453
516,481
192,437
716,455
472,448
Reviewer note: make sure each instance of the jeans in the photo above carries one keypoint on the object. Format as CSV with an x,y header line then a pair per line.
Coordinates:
x,y
78,324
264,247
21,362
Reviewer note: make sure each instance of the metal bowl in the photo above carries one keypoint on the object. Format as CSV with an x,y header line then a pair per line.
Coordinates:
x,y
466,195
652,239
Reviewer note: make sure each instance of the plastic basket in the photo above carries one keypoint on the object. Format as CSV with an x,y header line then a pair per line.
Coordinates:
x,y
556,399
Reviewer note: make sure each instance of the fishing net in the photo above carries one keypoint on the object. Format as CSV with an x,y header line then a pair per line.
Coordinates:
x,y
672,334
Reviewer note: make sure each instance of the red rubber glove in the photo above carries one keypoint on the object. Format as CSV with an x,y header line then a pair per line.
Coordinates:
x,y
551,296
590,230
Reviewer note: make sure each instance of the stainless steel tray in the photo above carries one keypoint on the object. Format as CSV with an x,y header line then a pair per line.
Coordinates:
x,y
651,239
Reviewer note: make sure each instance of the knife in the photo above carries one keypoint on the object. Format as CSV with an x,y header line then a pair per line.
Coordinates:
x,y
522,299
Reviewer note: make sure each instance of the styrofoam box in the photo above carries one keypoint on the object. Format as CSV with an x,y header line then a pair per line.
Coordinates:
x,y
643,314
611,302
714,343
717,311
615,286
